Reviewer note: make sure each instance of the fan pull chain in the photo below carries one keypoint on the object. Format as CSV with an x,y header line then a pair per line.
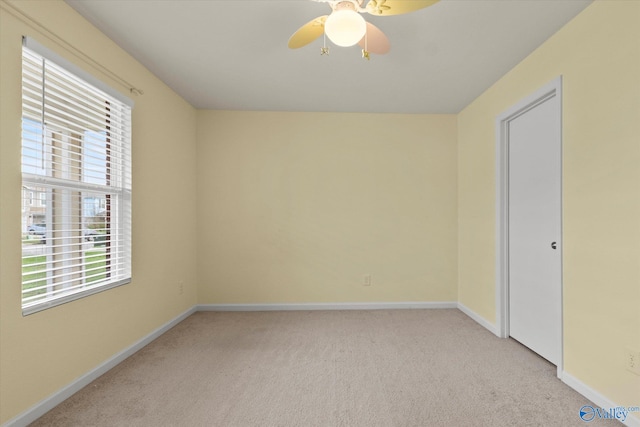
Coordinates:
x,y
365,52
324,50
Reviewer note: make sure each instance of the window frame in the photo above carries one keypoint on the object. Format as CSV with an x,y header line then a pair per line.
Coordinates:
x,y
71,262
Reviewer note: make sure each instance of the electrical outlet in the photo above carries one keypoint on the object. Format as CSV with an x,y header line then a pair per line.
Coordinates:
x,y
366,280
180,287
632,361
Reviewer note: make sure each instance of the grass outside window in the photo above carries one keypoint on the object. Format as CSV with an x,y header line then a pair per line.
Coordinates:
x,y
32,266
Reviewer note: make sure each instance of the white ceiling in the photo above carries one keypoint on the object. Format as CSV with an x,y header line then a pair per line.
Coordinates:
x,y
233,55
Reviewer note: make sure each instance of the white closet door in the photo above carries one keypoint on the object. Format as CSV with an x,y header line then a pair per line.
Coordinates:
x,y
535,209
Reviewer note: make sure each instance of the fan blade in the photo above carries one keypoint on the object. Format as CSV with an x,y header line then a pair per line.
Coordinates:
x,y
397,7
376,41
307,33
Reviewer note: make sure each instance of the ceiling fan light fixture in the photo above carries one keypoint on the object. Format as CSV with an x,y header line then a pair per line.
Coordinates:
x,y
345,27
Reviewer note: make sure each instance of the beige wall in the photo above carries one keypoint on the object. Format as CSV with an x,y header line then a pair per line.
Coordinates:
x,y
298,207
598,55
43,352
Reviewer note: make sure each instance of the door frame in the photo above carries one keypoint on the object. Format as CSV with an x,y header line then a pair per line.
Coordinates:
x,y
550,90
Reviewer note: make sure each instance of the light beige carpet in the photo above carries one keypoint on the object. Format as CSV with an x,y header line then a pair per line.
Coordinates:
x,y
327,368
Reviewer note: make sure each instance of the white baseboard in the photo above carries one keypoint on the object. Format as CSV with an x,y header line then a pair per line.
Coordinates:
x,y
481,320
327,306
633,418
38,410
61,395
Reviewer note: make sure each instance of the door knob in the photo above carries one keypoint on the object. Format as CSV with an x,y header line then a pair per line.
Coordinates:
x,y
554,245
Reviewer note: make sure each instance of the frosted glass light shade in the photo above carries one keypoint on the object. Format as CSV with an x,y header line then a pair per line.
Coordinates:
x,y
345,27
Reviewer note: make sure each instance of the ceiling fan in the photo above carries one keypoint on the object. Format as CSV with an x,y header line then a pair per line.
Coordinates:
x,y
345,26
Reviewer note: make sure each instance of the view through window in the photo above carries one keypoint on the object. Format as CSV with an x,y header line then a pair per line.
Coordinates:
x,y
76,186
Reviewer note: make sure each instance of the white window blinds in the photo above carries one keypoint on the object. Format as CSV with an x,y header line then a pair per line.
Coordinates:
x,y
76,184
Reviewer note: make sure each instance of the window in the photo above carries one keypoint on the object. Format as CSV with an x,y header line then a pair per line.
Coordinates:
x,y
76,176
